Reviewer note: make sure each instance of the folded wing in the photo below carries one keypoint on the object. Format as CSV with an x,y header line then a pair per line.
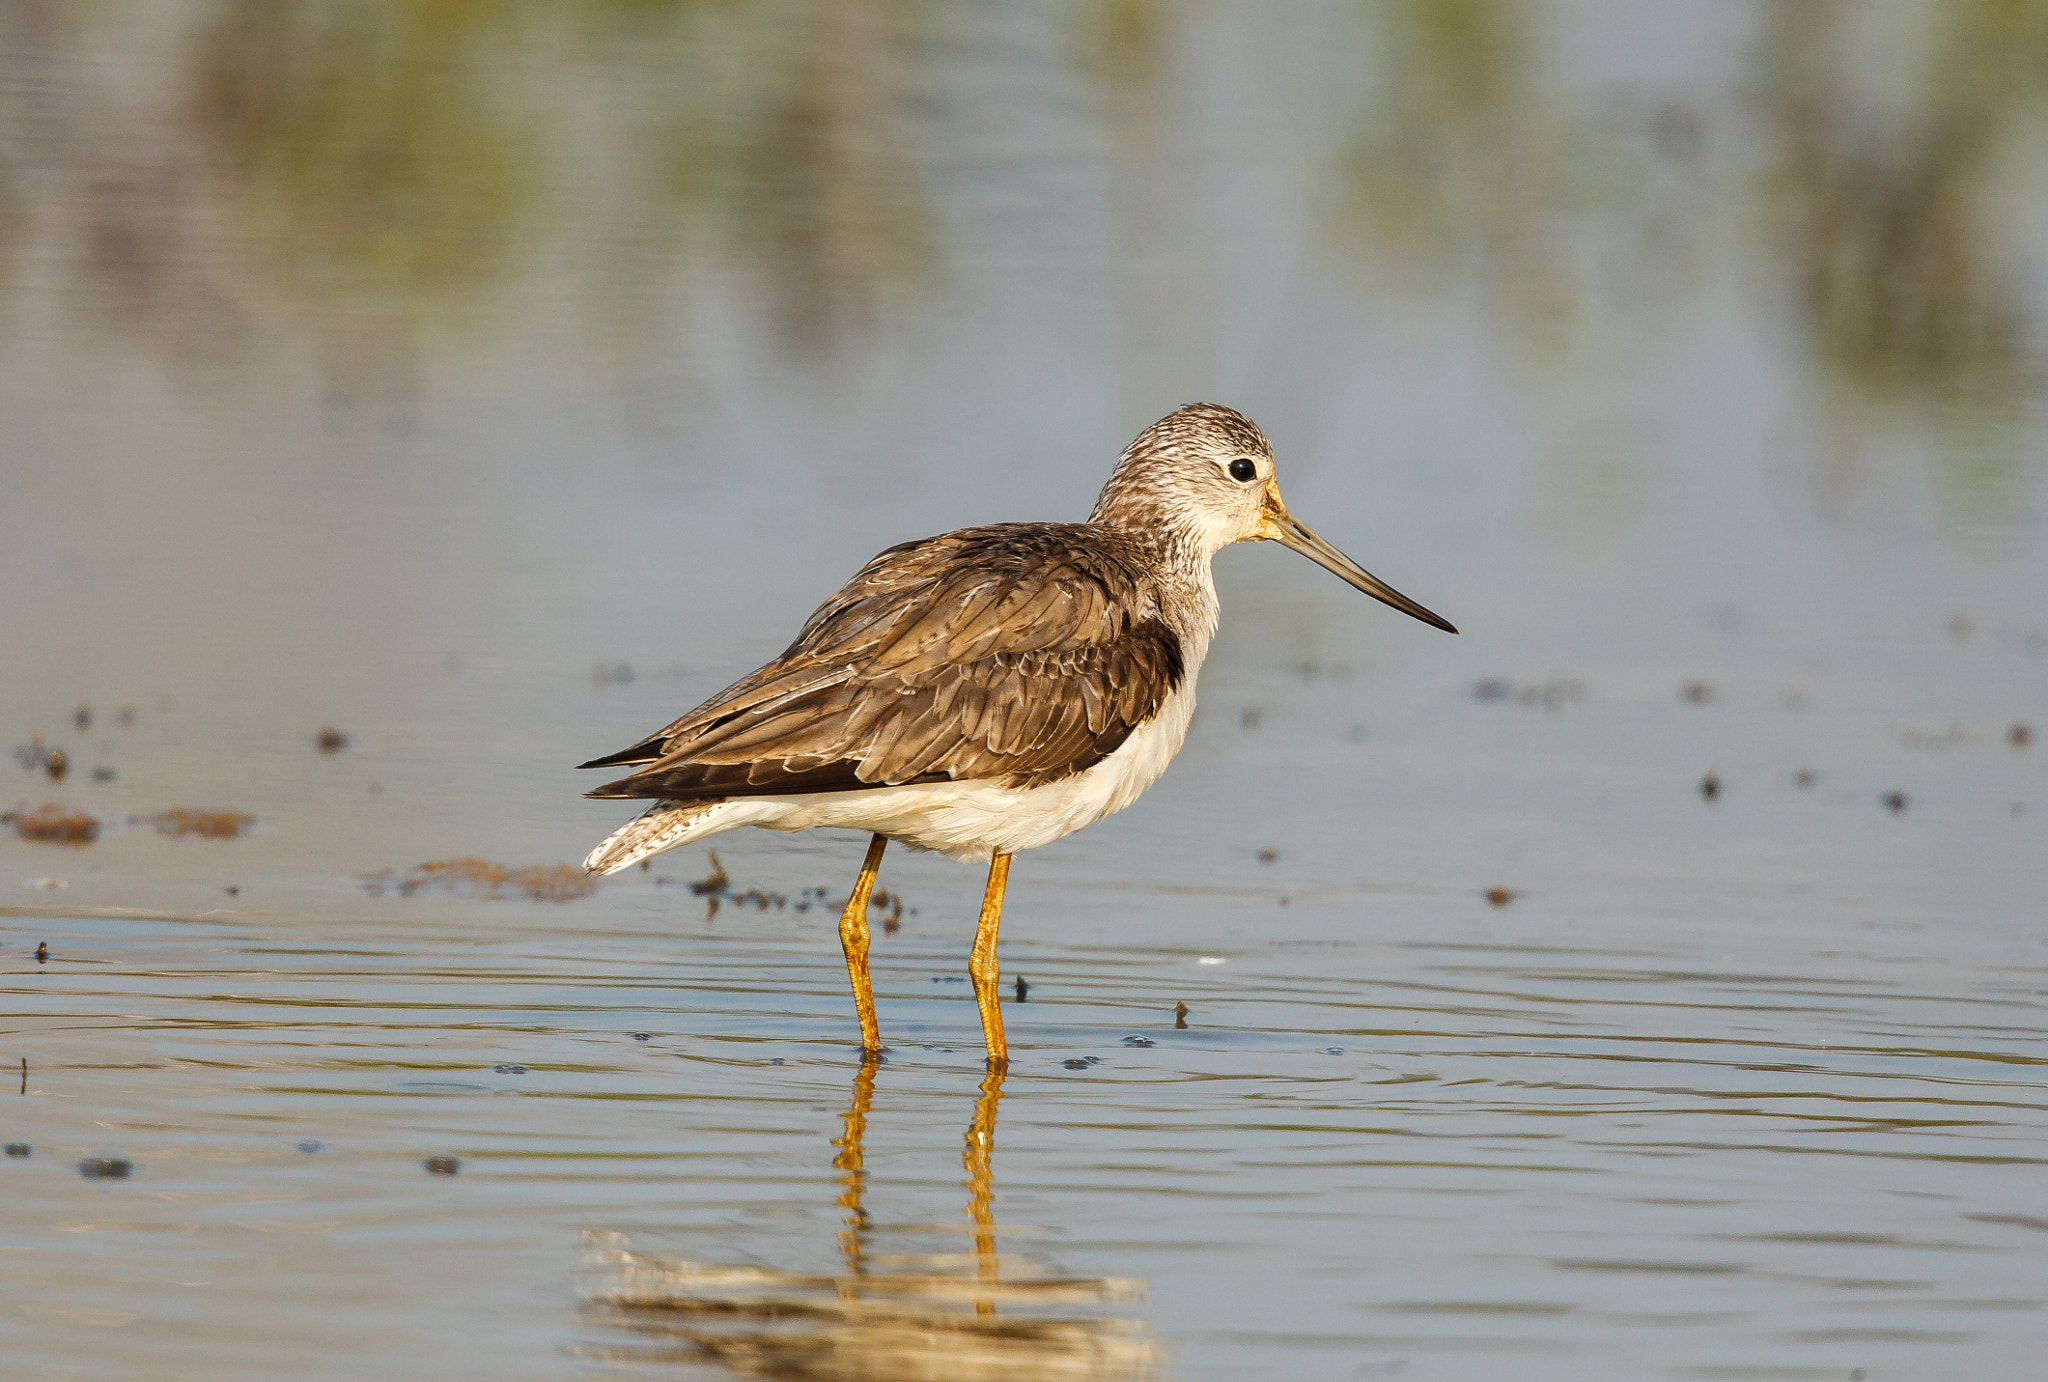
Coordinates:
x,y
1017,654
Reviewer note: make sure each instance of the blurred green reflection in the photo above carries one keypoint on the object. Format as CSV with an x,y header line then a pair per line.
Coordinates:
x,y
372,156
396,174
1894,136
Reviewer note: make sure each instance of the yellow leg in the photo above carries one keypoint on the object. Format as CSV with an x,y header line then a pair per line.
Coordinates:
x,y
981,1146
853,936
982,964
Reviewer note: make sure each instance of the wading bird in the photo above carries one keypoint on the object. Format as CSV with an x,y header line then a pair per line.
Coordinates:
x,y
985,691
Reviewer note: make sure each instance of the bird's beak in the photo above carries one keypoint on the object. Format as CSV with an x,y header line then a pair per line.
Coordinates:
x,y
1278,525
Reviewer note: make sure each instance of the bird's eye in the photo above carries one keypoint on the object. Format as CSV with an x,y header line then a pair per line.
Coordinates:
x,y
1243,469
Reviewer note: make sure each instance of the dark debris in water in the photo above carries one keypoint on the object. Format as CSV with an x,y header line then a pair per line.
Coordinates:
x,y
1696,691
1710,787
1805,778
2020,735
328,739
1551,694
51,824
311,1145
1895,802
20,1149
105,1167
1135,1040
473,877
713,883
716,888
188,820
508,1068
1501,897
442,1165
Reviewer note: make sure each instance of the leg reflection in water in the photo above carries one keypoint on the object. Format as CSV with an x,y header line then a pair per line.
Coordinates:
x,y
900,1315
978,1161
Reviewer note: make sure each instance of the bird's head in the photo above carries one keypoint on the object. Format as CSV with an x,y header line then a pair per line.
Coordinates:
x,y
1206,473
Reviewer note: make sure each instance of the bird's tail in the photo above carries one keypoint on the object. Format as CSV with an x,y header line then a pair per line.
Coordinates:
x,y
663,825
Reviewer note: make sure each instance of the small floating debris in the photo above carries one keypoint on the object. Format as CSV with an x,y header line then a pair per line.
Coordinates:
x,y
1268,856
2019,735
508,1068
187,820
611,673
1135,1040
1805,778
310,1145
1696,691
1954,737
1023,989
473,877
643,1036
442,1165
42,952
56,763
82,717
51,824
1551,694
105,1167
1075,1064
20,1149
1501,897
1211,960
328,739
103,774
1895,802
714,882
1710,786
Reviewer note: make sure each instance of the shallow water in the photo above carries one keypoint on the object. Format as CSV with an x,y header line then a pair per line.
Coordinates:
x,y
530,379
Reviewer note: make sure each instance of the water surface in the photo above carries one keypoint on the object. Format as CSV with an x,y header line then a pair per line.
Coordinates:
x,y
490,382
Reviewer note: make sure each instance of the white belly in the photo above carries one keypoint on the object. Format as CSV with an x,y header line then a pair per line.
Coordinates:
x,y
961,820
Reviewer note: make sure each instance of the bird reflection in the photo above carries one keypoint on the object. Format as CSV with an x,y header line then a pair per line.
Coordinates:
x,y
901,1316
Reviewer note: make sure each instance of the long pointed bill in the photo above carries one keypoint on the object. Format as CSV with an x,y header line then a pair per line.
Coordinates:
x,y
1289,532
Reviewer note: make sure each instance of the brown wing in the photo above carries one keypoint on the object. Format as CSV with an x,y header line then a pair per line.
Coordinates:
x,y
1010,654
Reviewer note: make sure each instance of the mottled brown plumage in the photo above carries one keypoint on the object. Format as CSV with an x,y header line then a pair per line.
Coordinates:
x,y
1019,653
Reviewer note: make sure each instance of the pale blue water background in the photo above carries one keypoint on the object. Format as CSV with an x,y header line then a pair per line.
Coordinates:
x,y
408,368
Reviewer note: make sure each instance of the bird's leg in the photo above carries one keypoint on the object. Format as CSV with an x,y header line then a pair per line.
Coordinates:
x,y
853,936
982,964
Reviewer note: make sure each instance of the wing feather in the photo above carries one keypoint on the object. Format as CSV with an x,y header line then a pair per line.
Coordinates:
x,y
1020,654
